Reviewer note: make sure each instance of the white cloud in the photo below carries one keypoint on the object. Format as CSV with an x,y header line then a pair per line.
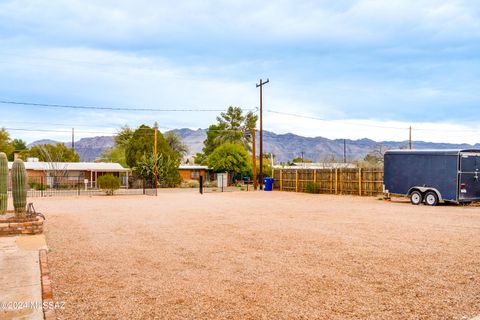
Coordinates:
x,y
203,54
127,22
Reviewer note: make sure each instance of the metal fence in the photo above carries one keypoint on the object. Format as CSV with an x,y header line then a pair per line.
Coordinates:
x,y
363,182
41,186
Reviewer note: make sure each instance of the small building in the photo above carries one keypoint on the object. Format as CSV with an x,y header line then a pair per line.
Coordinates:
x,y
69,174
193,172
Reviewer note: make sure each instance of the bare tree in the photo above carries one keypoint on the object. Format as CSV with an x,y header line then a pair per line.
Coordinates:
x,y
378,152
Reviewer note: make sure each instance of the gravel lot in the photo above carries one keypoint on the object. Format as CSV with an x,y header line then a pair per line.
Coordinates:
x,y
260,255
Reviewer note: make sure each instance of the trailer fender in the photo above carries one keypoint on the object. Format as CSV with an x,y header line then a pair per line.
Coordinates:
x,y
425,190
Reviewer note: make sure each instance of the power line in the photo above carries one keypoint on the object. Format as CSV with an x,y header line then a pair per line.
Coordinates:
x,y
55,130
63,124
245,132
108,108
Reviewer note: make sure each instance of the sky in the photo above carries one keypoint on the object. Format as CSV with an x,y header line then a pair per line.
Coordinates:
x,y
337,69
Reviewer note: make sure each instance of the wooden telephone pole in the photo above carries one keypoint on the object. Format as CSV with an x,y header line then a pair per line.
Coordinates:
x,y
261,132
155,169
254,161
73,139
410,138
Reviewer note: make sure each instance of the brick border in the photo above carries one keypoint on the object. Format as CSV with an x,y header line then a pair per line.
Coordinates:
x,y
21,226
47,292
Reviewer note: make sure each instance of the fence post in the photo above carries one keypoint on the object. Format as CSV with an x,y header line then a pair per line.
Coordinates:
x,y
42,185
296,180
78,185
281,180
336,181
340,178
360,181
331,181
315,176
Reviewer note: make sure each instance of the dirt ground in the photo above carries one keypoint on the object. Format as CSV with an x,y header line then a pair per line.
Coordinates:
x,y
261,255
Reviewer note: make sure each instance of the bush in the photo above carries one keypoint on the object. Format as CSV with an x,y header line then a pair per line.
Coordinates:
x,y
210,184
36,186
189,184
312,188
109,183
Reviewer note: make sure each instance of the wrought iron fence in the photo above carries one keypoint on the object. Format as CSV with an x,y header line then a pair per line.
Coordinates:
x,y
48,186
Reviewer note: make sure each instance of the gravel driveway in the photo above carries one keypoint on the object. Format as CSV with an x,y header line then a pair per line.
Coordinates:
x,y
261,255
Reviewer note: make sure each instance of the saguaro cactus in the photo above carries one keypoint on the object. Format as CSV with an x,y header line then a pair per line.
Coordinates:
x,y
19,188
3,182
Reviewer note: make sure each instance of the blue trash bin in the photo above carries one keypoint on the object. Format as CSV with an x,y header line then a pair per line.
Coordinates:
x,y
268,184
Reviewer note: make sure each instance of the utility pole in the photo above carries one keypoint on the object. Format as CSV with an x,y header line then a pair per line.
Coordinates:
x,y
410,139
344,151
271,159
73,139
254,161
155,169
303,160
261,132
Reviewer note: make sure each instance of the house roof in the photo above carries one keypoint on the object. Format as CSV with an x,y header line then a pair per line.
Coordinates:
x,y
192,167
73,166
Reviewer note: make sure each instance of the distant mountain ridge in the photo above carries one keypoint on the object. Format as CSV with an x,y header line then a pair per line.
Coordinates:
x,y
89,149
284,146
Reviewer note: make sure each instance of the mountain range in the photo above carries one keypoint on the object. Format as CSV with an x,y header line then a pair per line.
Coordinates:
x,y
284,146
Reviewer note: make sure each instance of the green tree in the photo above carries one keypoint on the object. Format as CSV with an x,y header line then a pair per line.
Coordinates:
x,y
229,157
371,160
300,160
167,169
6,144
123,137
267,167
53,153
213,141
200,158
140,146
139,155
117,152
19,144
176,143
232,126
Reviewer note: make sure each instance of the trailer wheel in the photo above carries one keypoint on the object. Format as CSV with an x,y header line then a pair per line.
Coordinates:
x,y
416,197
431,198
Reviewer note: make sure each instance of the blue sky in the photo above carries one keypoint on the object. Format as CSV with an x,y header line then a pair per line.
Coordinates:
x,y
370,68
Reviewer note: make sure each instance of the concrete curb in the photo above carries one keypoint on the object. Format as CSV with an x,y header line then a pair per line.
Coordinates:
x,y
47,292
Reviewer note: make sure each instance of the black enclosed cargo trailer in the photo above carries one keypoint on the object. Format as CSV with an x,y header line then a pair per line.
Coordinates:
x,y
432,176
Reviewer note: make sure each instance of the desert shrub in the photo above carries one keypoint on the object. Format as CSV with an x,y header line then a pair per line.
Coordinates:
x,y
210,184
36,185
109,183
312,188
189,184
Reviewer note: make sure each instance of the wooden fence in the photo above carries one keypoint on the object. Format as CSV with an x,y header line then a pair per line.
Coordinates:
x,y
363,182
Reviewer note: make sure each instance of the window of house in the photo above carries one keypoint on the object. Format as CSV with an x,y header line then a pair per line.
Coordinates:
x,y
195,174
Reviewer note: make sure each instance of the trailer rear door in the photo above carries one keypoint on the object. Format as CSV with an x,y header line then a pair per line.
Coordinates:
x,y
469,176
